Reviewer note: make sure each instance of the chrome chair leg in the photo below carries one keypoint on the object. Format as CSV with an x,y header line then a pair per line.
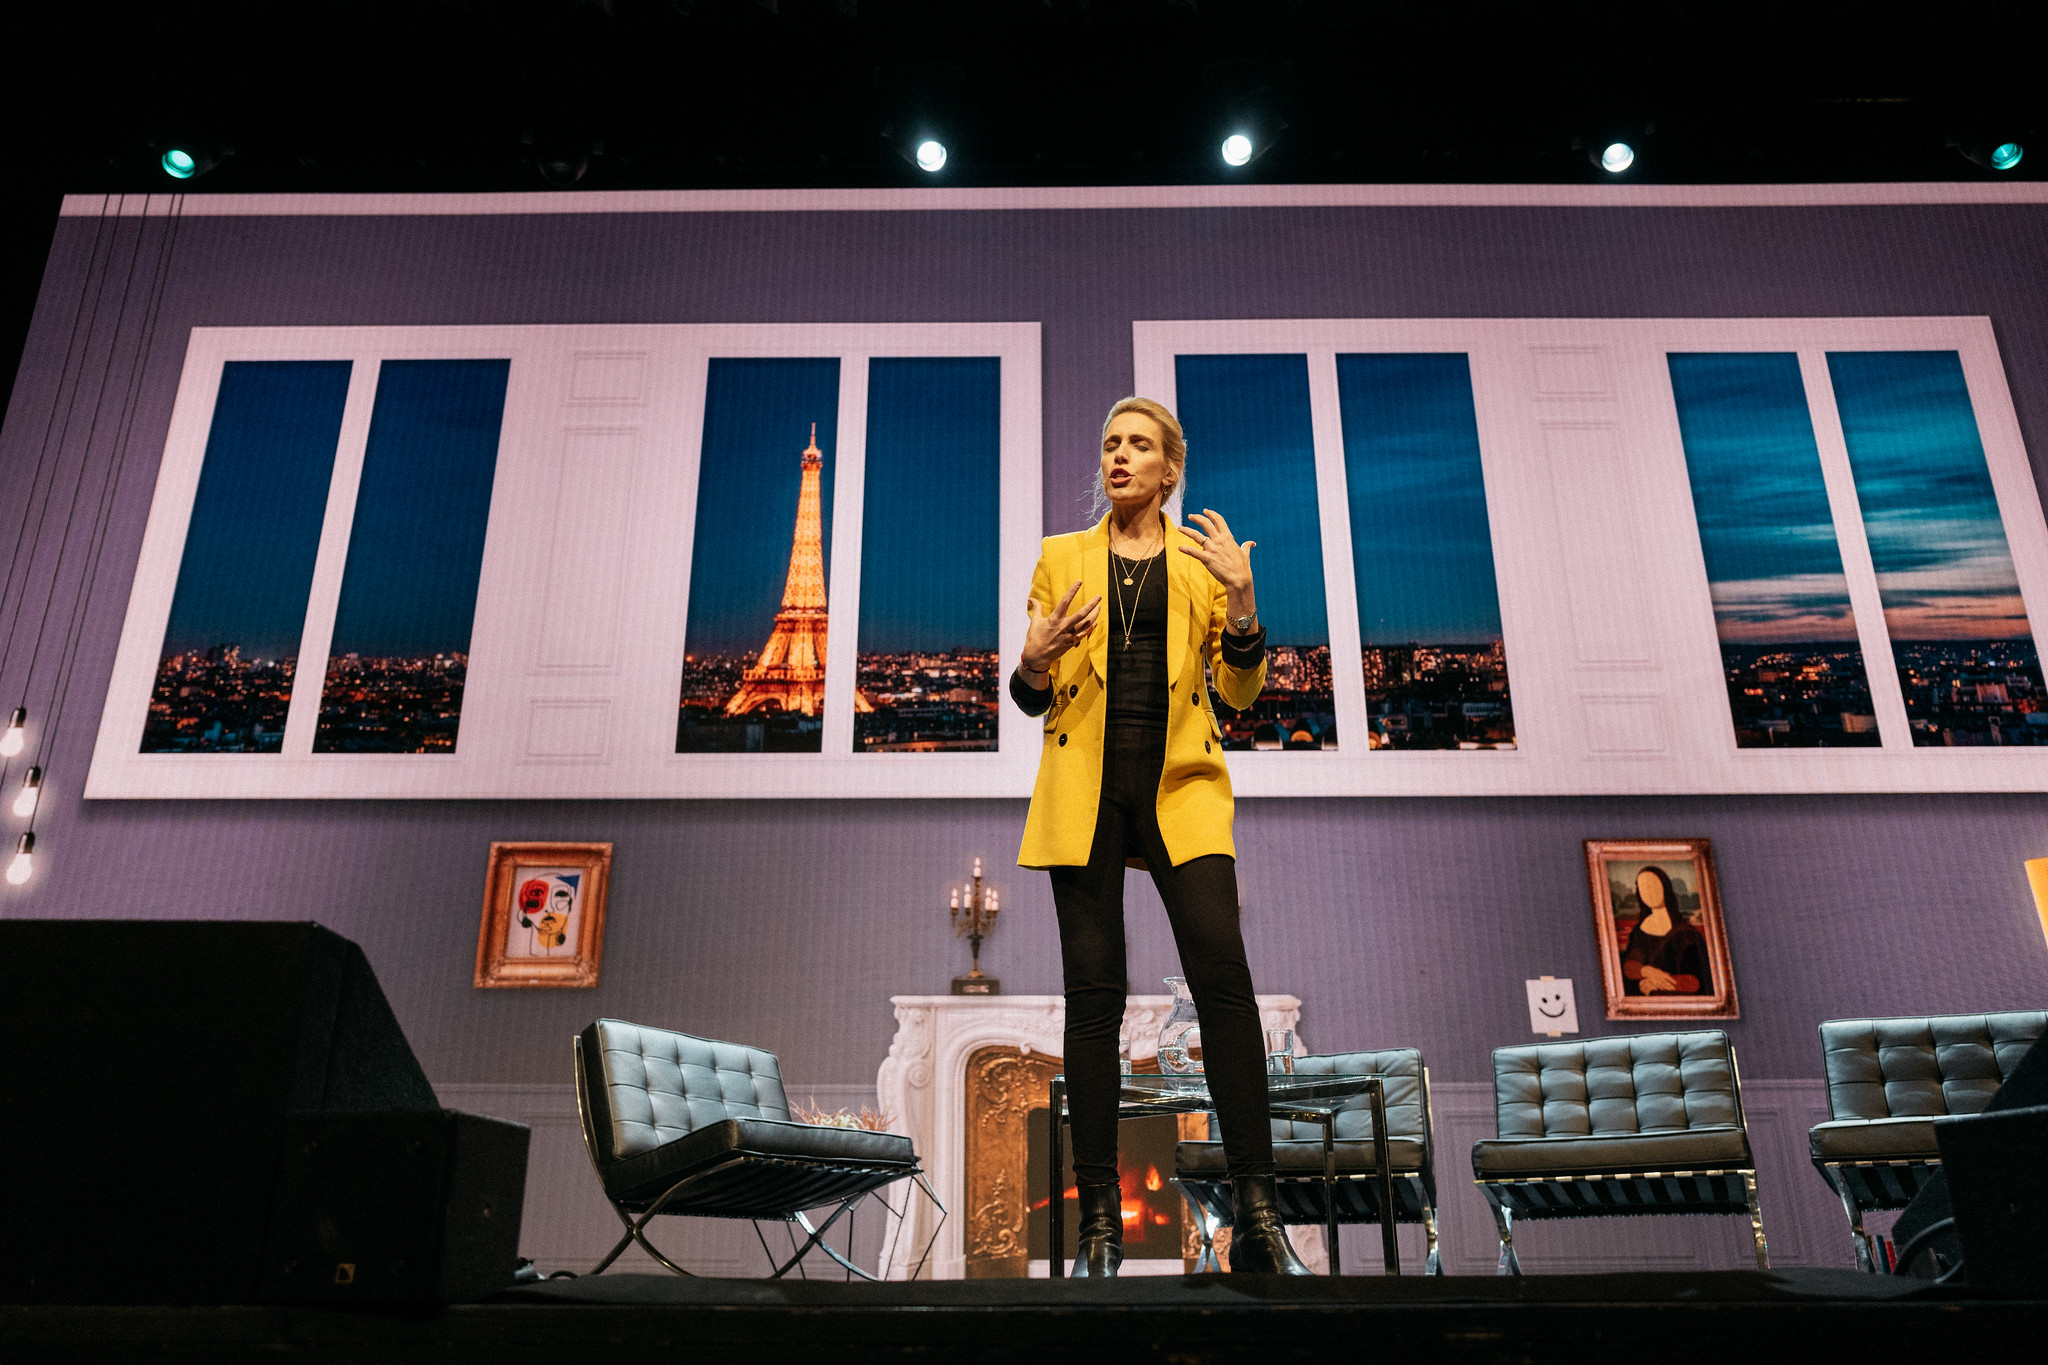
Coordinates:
x,y
1206,1263
1509,1264
1433,1259
1866,1245
1756,1222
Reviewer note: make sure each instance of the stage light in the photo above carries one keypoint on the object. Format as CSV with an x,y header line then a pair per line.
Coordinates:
x,y
12,741
23,865
931,155
180,164
1617,157
2006,155
31,792
1237,150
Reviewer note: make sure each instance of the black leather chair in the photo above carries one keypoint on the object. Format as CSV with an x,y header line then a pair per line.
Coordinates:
x,y
1201,1173
1888,1080
682,1125
1650,1123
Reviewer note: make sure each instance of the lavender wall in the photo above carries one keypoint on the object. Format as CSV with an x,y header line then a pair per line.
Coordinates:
x,y
788,924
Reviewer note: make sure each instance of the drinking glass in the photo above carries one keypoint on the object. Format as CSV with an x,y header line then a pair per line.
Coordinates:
x,y
1279,1052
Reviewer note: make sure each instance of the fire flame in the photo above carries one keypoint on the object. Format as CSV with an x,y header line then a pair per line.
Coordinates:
x,y
1152,1180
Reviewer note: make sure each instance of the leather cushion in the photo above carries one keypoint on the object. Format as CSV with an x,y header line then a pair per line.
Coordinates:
x,y
1205,1161
1402,1068
1601,1087
1923,1065
648,1174
1873,1140
1707,1148
648,1086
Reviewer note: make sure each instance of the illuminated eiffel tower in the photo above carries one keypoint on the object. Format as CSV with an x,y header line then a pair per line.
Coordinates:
x,y
790,674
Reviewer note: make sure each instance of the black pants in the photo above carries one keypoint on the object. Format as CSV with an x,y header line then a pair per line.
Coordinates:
x,y
1201,903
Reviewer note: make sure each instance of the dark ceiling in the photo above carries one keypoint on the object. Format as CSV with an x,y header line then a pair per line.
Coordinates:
x,y
327,95
469,94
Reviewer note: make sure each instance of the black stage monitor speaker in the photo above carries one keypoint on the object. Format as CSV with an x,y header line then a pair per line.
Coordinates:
x,y
2025,1088
148,1077
397,1207
1997,1169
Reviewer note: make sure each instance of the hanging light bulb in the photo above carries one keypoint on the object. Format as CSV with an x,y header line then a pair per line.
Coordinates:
x,y
31,792
18,871
11,743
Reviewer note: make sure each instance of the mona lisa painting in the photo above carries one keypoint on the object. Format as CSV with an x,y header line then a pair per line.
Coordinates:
x,y
1657,915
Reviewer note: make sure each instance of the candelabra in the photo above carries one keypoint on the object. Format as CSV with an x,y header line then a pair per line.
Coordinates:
x,y
974,912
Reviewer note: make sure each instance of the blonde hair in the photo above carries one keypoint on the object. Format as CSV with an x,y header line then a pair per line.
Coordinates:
x,y
1176,452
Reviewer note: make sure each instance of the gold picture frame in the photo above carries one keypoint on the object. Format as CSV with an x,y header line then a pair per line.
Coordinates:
x,y
1686,972
543,916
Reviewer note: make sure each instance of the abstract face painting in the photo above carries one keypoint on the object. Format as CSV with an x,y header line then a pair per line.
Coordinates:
x,y
542,922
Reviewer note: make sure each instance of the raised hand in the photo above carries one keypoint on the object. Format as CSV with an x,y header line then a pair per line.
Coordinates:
x,y
1229,562
1053,634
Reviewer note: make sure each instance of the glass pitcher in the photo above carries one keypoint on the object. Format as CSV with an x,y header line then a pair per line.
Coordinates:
x,y
1180,1037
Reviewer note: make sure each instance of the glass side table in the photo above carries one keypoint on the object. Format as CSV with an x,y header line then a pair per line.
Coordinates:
x,y
1303,1099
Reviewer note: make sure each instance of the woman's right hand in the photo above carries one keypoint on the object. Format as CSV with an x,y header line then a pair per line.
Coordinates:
x,y
1657,979
1053,634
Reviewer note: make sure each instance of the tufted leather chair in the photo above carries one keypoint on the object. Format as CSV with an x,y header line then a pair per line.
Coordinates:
x,y
684,1125
1204,1179
1640,1124
1888,1081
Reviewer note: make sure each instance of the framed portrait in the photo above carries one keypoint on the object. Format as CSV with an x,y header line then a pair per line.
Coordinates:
x,y
543,918
1663,943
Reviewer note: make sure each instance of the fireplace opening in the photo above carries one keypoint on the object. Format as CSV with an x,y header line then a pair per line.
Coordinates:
x,y
1153,1212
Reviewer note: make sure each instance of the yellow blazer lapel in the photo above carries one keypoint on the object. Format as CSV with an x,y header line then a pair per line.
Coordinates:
x,y
1179,593
1094,584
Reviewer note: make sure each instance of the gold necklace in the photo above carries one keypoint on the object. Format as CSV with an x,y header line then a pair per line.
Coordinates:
x,y
1130,617
1132,560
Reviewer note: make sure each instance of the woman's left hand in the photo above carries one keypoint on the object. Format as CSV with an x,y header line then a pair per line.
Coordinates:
x,y
1230,562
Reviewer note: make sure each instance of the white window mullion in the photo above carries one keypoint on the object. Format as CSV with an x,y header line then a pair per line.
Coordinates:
x,y
1340,585
1879,668
324,596
849,502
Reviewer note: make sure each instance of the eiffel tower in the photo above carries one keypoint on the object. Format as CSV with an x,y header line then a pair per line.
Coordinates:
x,y
790,674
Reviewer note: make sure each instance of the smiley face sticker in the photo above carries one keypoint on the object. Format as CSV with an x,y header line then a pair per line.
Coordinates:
x,y
1552,1010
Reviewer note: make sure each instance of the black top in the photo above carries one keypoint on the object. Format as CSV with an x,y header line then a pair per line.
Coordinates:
x,y
1136,619
1137,672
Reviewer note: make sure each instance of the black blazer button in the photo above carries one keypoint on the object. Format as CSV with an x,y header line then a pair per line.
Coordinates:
x,y
1195,697
1074,689
1205,745
1063,741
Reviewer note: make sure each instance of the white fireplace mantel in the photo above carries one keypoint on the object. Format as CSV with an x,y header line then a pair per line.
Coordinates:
x,y
922,1087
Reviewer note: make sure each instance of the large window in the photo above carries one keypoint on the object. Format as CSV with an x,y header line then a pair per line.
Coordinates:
x,y
585,561
1640,555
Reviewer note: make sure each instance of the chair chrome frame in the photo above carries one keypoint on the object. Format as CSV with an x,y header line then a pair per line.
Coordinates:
x,y
1301,1200
1630,1192
855,1184
1875,1187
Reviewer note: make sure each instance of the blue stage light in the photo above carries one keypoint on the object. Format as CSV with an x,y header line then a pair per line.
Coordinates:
x,y
180,164
2006,155
931,155
1237,149
1617,157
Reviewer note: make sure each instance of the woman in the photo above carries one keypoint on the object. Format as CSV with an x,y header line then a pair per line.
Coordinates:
x,y
1663,954
1132,770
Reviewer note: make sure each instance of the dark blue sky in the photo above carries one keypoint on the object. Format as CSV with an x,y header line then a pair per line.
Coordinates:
x,y
757,421
1251,456
255,530
1944,570
1421,546
422,507
1773,565
931,519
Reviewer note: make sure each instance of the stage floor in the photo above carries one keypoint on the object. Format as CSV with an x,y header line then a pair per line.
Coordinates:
x,y
1726,1318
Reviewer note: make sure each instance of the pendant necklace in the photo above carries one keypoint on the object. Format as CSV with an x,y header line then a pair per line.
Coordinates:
x,y
1129,616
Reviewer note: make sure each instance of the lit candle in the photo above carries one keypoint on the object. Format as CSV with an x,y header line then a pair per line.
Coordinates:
x,y
956,900
977,869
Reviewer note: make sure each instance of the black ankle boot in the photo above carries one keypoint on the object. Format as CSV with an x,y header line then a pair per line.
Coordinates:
x,y
1258,1239
1101,1248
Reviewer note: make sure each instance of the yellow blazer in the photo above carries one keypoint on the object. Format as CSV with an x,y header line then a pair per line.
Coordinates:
x,y
1194,787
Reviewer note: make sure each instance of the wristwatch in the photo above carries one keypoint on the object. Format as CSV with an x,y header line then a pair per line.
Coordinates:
x,y
1243,624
